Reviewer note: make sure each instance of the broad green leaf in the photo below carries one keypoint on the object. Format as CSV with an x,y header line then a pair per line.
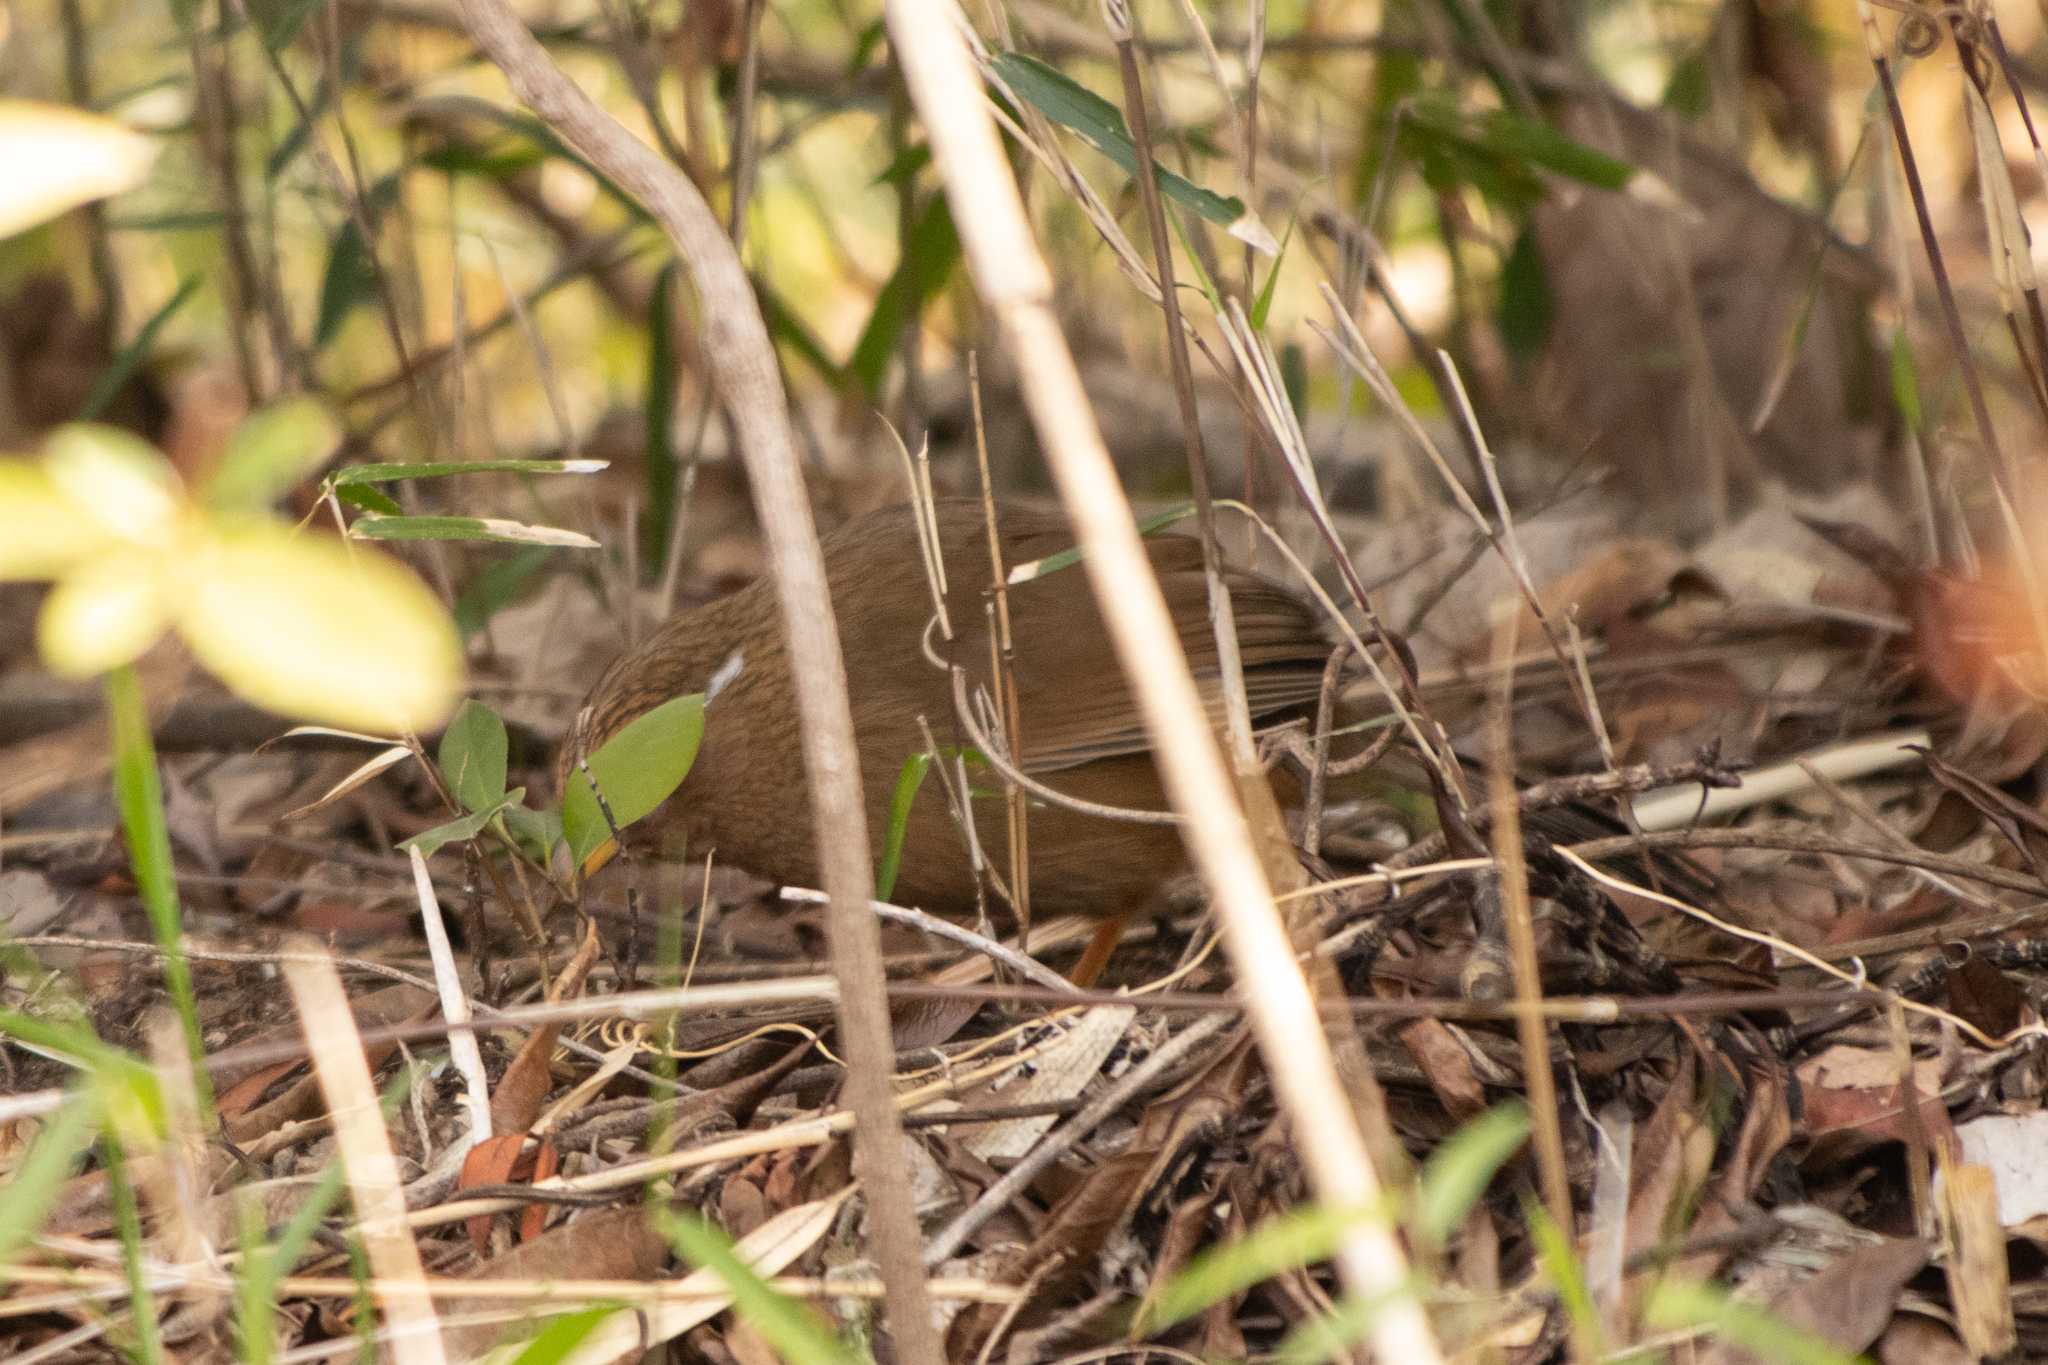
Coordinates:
x,y
393,473
108,386
120,479
638,768
430,842
272,451
1462,1166
1101,124
306,626
103,614
908,781
43,529
59,157
535,831
472,756
789,1328
927,262
378,527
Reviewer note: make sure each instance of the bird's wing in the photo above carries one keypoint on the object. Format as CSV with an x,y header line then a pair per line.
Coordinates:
x,y
1061,642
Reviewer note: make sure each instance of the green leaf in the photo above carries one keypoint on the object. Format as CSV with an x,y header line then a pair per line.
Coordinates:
x,y
638,768
192,221
1294,379
1396,76
264,1264
535,831
363,497
1677,1303
1498,151
908,780
905,165
108,386
271,451
1560,1260
308,626
786,1325
1067,559
1099,123
138,794
1297,1238
279,20
350,475
34,1185
472,756
1906,379
1526,304
486,163
1690,91
558,1339
927,262
1263,305
297,136
432,841
351,276
496,587
495,529
787,330
1461,1168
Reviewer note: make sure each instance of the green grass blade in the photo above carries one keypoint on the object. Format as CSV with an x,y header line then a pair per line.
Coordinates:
x,y
135,352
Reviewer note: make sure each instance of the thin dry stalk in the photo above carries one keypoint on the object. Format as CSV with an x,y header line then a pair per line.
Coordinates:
x,y
1012,278
743,370
1002,667
1237,722
1530,1026
366,1154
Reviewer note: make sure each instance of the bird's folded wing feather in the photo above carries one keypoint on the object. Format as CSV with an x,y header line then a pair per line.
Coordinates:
x,y
1281,644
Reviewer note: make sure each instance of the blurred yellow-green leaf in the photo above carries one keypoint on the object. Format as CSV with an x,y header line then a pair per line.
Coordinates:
x,y
271,451
58,158
103,615
119,479
43,529
307,627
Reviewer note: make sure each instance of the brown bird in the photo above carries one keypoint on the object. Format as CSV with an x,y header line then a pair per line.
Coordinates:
x,y
747,798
